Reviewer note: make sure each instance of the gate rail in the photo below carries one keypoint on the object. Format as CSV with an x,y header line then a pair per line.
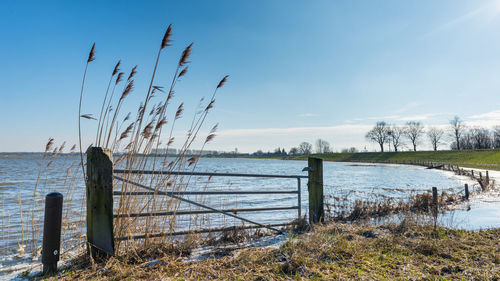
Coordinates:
x,y
174,195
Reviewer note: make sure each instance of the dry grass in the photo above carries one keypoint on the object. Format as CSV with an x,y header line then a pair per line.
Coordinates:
x,y
344,209
72,215
330,252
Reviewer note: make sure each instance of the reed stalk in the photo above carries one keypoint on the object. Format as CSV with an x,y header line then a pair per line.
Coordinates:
x,y
90,58
21,214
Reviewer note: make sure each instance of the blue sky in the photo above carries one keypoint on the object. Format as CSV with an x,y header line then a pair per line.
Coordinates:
x,y
299,70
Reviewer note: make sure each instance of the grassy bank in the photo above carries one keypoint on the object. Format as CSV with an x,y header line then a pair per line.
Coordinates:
x,y
330,252
483,159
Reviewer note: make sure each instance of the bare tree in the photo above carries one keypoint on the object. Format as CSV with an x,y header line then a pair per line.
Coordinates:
x,y
480,138
322,146
293,151
414,131
349,150
457,128
305,148
496,137
378,134
395,134
466,140
435,136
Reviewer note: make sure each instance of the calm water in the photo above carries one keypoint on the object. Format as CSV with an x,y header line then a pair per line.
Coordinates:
x,y
18,175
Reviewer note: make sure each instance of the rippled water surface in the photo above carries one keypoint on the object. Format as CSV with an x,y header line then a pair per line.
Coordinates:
x,y
19,173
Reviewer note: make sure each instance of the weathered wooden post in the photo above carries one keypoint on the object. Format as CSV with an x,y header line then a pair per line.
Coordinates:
x,y
100,240
434,198
487,178
315,187
480,176
52,232
435,204
472,172
466,192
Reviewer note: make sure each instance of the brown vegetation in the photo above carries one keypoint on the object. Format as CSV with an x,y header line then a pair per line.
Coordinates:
x,y
331,252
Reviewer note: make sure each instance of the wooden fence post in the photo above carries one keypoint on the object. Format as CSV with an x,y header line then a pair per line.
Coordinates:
x,y
487,178
99,183
315,187
435,205
434,197
466,192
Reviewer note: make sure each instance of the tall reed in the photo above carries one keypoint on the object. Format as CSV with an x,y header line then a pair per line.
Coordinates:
x,y
138,143
90,58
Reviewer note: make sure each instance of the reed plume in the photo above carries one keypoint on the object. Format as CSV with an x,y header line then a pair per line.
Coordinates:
x,y
127,131
119,78
185,55
183,72
91,54
179,111
127,117
88,116
132,73
128,89
222,82
117,68
166,38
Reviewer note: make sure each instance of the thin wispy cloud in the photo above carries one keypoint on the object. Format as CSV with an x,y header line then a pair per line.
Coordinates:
x,y
407,107
308,115
397,118
492,115
485,13
418,117
489,119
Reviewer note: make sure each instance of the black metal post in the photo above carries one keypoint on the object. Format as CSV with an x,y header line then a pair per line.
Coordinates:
x,y
52,232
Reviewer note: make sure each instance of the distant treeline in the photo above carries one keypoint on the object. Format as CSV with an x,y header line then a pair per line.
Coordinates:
x,y
457,135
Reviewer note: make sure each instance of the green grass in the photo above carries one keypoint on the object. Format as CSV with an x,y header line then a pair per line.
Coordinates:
x,y
483,159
